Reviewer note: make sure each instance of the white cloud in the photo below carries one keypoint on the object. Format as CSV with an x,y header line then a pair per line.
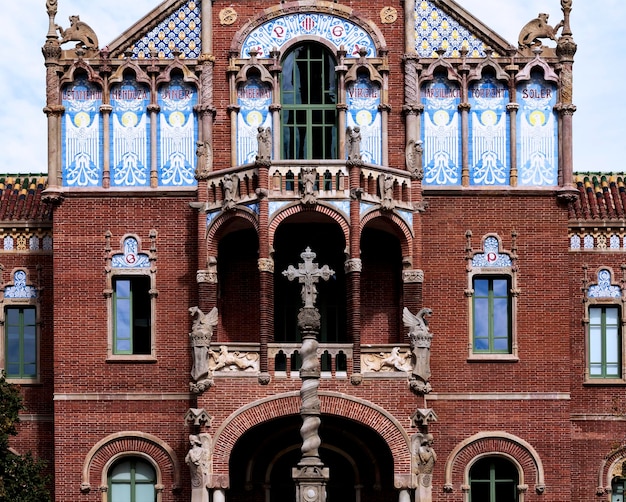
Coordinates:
x,y
599,126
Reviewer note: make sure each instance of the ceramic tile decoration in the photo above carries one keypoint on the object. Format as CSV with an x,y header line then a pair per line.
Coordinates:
x,y
81,134
131,257
180,31
336,30
434,29
491,256
604,289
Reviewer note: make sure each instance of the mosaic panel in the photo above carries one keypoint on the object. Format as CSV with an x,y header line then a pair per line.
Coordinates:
x,y
130,130
434,30
254,98
604,289
336,30
177,134
441,134
20,289
363,100
491,257
489,130
131,257
180,31
537,140
81,134
26,241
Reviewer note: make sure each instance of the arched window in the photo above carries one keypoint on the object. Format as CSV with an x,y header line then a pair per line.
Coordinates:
x,y
132,480
493,479
309,103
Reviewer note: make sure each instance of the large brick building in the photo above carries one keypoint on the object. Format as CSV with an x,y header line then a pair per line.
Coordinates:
x,y
292,244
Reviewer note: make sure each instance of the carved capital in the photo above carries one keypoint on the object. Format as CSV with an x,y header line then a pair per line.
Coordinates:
x,y
206,276
566,49
198,416
51,50
54,110
465,107
266,265
512,107
356,378
353,265
412,276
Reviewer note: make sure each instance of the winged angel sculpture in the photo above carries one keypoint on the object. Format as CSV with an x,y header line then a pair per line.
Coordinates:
x,y
420,338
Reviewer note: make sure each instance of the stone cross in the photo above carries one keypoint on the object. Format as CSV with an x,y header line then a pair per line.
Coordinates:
x,y
308,274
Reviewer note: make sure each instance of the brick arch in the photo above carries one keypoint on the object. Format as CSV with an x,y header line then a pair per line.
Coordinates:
x,y
216,229
609,464
493,443
402,230
331,212
334,9
332,403
129,443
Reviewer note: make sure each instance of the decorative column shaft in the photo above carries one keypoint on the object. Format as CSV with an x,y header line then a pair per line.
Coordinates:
x,y
310,475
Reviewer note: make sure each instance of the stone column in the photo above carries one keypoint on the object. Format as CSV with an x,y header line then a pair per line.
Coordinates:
x,y
219,495
353,268
565,50
310,475
53,110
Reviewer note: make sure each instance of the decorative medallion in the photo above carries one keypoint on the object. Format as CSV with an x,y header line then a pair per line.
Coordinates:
x,y
228,16
388,15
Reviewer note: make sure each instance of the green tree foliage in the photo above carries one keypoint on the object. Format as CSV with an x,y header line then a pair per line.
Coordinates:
x,y
22,477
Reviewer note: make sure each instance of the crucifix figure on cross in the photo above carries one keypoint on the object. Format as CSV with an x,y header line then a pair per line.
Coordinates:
x,y
308,274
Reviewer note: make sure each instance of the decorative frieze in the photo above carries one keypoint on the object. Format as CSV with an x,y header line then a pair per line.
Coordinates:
x,y
412,276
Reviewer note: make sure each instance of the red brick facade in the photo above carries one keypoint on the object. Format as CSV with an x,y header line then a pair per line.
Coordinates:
x,y
534,406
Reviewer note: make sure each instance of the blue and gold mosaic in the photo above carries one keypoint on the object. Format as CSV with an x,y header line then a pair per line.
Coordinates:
x,y
434,29
180,31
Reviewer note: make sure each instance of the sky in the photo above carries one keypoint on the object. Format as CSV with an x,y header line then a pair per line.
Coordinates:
x,y
596,26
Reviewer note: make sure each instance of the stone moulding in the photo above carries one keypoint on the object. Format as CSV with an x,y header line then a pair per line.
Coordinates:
x,y
503,444
108,449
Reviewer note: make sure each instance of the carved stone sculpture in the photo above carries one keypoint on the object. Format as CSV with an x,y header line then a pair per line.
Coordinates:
x,y
536,29
424,458
79,32
230,185
309,176
232,361
204,154
199,461
385,187
200,336
383,362
264,139
414,159
420,338
353,137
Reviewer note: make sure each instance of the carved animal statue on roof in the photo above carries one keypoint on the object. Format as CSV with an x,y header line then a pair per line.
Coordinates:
x,y
536,29
79,32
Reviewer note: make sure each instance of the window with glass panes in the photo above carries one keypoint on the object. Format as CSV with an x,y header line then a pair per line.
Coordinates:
x,y
132,480
131,315
20,327
605,344
493,479
309,103
492,315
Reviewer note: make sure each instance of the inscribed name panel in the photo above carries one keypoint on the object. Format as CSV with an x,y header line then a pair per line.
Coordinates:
x,y
489,130
254,98
441,132
177,134
81,134
336,30
537,130
363,100
130,130
434,29
180,31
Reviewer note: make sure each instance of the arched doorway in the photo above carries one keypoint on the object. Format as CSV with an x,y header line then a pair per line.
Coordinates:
x,y
360,462
327,241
